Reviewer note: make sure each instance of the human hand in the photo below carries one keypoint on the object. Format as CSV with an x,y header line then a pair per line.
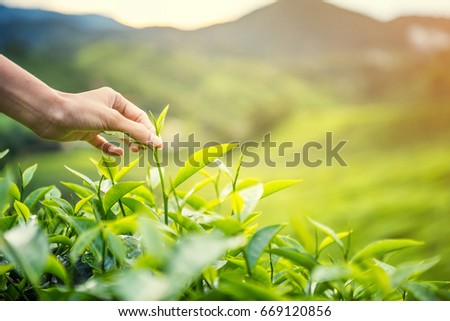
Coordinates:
x,y
85,115
63,117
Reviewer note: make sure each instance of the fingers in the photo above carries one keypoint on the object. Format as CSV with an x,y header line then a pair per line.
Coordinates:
x,y
137,124
105,146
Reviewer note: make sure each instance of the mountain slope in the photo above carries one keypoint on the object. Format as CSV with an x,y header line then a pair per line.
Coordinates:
x,y
36,29
297,27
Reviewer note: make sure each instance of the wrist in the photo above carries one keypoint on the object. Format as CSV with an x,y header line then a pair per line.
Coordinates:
x,y
25,98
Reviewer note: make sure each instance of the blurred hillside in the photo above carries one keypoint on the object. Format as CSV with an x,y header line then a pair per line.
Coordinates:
x,y
291,55
297,68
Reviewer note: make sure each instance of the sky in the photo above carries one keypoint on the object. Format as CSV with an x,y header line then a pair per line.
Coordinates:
x,y
192,14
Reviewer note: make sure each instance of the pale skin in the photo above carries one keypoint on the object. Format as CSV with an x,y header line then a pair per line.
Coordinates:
x,y
63,117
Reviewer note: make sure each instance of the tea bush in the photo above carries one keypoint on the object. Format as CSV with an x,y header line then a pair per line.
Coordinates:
x,y
156,239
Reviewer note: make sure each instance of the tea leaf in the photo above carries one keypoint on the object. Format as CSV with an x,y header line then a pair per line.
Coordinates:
x,y
116,192
161,120
4,153
322,273
83,241
296,257
411,270
82,203
28,174
27,247
55,267
329,240
228,226
14,191
328,231
81,191
138,207
22,210
246,291
123,225
107,167
193,253
383,247
116,247
237,203
421,291
153,177
35,196
275,186
7,222
250,197
60,239
4,268
152,239
124,170
200,159
83,177
141,285
258,244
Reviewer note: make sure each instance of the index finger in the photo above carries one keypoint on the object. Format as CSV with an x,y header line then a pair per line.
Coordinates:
x,y
131,111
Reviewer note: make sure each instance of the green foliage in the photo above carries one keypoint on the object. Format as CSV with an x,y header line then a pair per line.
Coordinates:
x,y
161,240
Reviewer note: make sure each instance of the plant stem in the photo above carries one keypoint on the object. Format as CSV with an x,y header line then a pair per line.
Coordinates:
x,y
271,264
105,251
163,188
122,209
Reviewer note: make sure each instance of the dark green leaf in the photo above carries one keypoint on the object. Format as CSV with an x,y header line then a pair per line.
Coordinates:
x,y
83,242
116,247
259,242
35,196
55,267
137,207
116,192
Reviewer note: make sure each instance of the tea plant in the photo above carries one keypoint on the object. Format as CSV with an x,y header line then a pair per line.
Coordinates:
x,y
158,239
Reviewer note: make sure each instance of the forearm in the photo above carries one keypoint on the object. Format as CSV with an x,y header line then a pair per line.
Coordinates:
x,y
24,97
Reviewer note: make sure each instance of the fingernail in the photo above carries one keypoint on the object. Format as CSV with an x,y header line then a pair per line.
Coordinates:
x,y
115,150
157,142
134,148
